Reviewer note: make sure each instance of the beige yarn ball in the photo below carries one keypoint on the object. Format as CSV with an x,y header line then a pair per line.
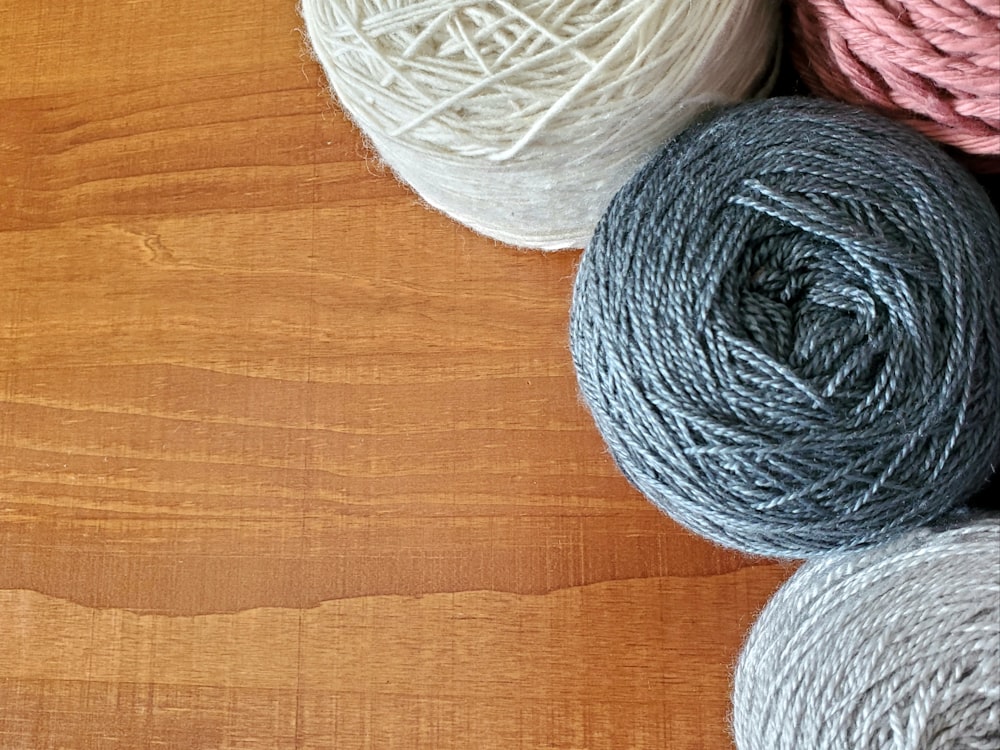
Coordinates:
x,y
522,118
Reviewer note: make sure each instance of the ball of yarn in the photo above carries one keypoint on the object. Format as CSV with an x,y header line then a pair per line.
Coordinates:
x,y
893,647
786,329
521,118
934,64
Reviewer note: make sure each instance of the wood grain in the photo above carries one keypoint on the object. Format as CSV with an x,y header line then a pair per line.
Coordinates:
x,y
288,460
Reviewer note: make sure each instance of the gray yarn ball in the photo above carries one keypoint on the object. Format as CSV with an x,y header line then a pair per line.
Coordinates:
x,y
786,329
896,646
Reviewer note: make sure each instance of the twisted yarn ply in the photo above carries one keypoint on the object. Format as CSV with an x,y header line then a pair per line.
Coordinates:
x,y
933,64
893,647
786,329
521,118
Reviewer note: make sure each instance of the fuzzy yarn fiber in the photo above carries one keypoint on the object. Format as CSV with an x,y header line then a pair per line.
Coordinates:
x,y
786,329
933,64
521,118
892,648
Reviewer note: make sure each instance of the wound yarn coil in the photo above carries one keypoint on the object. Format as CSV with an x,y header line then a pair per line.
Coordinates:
x,y
786,329
521,118
933,64
893,647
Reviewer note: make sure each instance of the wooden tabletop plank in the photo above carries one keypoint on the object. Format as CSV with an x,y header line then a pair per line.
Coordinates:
x,y
287,459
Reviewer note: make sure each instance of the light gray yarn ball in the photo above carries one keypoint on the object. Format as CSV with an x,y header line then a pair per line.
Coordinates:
x,y
786,329
892,648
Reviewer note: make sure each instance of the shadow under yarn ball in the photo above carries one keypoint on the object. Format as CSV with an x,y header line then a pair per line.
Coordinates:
x,y
786,329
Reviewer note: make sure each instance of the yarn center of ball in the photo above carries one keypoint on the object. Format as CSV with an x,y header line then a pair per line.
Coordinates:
x,y
826,290
799,313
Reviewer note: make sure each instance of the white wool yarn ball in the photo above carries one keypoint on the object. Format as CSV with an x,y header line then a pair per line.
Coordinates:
x,y
522,118
893,648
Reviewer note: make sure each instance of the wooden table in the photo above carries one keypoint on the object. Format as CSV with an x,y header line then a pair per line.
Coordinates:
x,y
288,460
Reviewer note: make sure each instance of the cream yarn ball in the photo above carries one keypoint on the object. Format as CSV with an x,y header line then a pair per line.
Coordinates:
x,y
522,118
895,647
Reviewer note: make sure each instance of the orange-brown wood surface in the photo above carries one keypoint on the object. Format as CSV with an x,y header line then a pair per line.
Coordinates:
x,y
288,460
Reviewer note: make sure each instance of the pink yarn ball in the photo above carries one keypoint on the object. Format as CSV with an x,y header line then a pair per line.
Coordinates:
x,y
934,64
